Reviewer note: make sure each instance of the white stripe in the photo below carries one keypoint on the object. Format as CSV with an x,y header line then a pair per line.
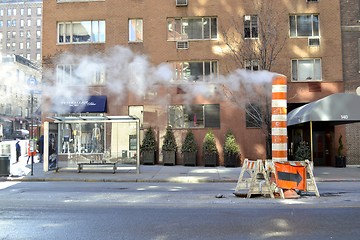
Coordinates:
x,y
279,103
279,131
279,88
279,159
279,118
279,146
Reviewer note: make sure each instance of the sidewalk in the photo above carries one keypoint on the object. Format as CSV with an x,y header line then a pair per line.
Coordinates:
x,y
160,173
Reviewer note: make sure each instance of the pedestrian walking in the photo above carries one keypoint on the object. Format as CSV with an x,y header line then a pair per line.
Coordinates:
x,y
18,150
40,144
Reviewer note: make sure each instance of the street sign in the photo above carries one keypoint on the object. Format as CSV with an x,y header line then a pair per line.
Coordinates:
x,y
290,176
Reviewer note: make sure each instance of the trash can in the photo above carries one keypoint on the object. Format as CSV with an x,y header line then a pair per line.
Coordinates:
x,y
4,166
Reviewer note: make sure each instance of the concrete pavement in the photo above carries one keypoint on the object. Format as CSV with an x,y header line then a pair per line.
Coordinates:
x,y
159,173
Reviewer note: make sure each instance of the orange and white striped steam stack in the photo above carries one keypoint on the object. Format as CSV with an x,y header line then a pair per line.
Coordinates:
x,y
279,118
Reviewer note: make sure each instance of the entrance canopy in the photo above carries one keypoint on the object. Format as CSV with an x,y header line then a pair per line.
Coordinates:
x,y
336,109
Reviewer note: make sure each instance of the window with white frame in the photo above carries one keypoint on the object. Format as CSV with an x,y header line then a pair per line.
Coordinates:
x,y
251,26
306,69
1,23
252,65
135,30
38,45
38,22
38,33
304,25
195,70
13,23
38,57
29,23
1,12
22,11
22,23
29,12
81,32
21,45
201,28
194,116
28,45
38,11
71,75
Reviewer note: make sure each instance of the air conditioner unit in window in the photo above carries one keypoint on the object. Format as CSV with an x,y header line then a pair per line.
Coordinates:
x,y
181,3
182,44
247,17
314,41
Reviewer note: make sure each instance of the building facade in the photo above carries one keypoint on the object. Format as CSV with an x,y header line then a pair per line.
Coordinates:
x,y
350,27
190,64
21,28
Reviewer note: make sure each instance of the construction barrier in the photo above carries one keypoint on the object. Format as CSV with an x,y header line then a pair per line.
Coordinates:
x,y
267,177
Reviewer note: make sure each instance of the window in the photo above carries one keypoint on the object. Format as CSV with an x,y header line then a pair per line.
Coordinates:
x,y
252,65
21,11
19,111
38,45
1,12
38,33
21,33
28,34
192,28
38,11
195,71
14,11
81,32
304,26
27,45
13,23
29,23
8,35
21,45
9,11
73,75
13,34
8,23
251,26
253,116
306,70
38,57
28,56
1,23
194,116
38,22
29,12
22,23
135,30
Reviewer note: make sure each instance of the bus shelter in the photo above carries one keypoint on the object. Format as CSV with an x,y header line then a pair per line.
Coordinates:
x,y
71,140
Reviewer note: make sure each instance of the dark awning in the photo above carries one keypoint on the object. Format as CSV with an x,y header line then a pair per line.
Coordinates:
x,y
338,108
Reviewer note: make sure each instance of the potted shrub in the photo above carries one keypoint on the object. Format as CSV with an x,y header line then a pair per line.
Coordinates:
x,y
231,151
210,152
169,147
340,159
189,149
148,147
303,152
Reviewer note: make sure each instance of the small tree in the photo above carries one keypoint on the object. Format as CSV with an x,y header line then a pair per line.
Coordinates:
x,y
189,149
303,152
189,144
230,145
148,147
210,152
169,142
149,141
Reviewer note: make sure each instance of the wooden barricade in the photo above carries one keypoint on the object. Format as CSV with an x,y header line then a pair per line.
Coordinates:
x,y
258,181
255,177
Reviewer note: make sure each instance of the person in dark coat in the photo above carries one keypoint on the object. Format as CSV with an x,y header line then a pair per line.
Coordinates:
x,y
18,150
40,144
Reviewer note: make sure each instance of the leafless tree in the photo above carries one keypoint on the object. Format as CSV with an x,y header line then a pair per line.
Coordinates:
x,y
254,42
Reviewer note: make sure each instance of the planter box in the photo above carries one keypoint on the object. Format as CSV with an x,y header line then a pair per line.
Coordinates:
x,y
148,157
231,160
210,159
189,158
340,161
169,157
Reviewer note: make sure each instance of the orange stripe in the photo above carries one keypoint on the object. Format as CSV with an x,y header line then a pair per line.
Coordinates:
x,y
278,124
279,80
279,139
279,110
279,95
279,154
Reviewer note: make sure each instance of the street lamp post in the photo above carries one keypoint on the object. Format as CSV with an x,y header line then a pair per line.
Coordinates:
x,y
32,131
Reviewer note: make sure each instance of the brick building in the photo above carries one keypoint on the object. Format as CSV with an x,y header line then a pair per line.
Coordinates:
x,y
178,63
350,28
